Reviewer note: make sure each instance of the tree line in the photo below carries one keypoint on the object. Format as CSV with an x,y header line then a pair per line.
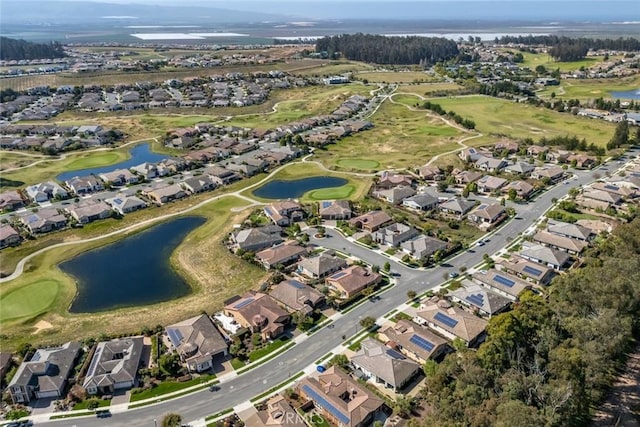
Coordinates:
x,y
437,108
389,50
553,357
628,44
13,49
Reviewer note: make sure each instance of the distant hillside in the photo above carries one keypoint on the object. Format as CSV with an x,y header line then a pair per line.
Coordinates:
x,y
11,49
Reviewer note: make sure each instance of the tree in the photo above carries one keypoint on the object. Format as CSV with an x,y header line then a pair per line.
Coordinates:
x,y
170,364
387,266
339,360
403,406
92,403
442,186
513,194
367,322
411,294
172,420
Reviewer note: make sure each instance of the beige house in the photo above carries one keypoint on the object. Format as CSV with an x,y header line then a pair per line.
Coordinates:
x,y
414,341
198,342
348,283
258,312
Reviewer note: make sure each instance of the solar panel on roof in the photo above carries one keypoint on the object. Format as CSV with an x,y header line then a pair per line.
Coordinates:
x,y
36,356
94,362
394,354
443,318
504,281
322,402
243,303
175,336
483,206
338,275
296,284
476,299
326,204
267,211
117,201
611,187
421,342
533,271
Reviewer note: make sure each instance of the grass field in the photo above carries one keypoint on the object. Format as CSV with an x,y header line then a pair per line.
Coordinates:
x,y
400,138
428,89
359,164
502,117
397,77
532,60
589,89
29,300
343,192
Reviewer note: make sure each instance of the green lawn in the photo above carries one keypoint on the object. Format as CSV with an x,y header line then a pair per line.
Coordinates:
x,y
360,164
589,89
261,352
532,60
99,159
169,387
83,405
237,363
332,193
397,77
502,117
29,300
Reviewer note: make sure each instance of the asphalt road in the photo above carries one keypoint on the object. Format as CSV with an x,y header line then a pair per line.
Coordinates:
x,y
242,388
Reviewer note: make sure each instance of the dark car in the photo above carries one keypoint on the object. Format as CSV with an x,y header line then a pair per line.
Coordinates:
x,y
103,413
214,388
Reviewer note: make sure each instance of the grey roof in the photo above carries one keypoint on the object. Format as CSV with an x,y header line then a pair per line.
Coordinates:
x,y
384,362
422,200
571,230
196,338
502,281
544,254
402,334
48,368
458,205
262,236
296,295
560,242
423,246
322,264
520,167
115,361
477,296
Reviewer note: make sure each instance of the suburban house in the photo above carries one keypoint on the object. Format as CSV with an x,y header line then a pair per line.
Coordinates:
x,y
221,176
84,184
319,266
119,177
566,244
490,164
6,362
199,184
45,374
606,197
502,283
457,207
340,398
198,342
520,168
553,174
124,204
11,200
46,191
510,147
480,299
258,312
394,195
423,247
394,234
535,150
349,282
88,211
384,365
278,413
467,177
522,188
166,193
453,322
147,171
534,272
114,365
8,236
582,160
547,256
389,180
255,239
488,215
371,221
44,220
619,190
421,202
431,173
282,254
335,210
572,231
472,154
414,341
297,296
490,183
284,213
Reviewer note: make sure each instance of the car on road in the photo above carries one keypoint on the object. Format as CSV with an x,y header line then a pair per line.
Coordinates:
x,y
374,298
103,413
480,243
214,388
453,275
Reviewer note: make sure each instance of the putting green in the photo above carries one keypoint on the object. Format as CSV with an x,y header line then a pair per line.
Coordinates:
x,y
361,164
95,160
28,301
332,193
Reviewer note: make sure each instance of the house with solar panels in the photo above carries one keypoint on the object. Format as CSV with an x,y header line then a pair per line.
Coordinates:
x,y
340,398
529,270
480,299
198,342
546,256
114,365
453,322
297,296
124,204
335,210
45,375
414,341
259,313
383,365
44,221
277,413
502,283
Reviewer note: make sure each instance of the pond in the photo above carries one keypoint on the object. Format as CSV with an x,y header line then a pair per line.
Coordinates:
x,y
139,154
131,272
280,189
629,94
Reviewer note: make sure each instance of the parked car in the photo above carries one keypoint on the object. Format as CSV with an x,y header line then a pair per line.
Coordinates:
x,y
453,275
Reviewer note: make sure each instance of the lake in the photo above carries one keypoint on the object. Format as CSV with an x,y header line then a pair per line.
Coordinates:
x,y
139,154
131,272
280,189
629,94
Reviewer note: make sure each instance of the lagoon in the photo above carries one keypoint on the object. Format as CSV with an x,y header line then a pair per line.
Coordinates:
x,y
629,94
139,154
131,272
280,189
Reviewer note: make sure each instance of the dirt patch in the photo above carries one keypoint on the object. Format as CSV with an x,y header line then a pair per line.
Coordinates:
x,y
41,326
